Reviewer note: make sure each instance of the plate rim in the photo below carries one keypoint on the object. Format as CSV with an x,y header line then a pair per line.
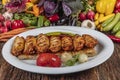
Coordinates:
x,y
62,70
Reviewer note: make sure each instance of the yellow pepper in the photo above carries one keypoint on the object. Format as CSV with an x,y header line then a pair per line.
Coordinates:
x,y
96,16
34,1
105,7
4,2
110,7
101,6
29,5
36,10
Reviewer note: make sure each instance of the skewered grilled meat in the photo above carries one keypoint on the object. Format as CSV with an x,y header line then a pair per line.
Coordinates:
x,y
90,42
42,43
18,46
67,43
55,44
30,44
78,42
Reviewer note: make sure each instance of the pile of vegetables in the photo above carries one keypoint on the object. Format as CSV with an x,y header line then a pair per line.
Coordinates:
x,y
91,14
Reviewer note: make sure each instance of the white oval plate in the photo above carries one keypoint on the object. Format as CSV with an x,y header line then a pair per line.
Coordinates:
x,y
105,49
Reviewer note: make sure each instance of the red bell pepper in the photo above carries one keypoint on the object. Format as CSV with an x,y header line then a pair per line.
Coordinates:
x,y
17,24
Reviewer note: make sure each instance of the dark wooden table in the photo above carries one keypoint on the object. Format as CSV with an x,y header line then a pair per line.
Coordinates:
x,y
109,70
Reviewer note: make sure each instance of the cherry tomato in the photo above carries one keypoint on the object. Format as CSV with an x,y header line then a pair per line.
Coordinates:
x,y
48,60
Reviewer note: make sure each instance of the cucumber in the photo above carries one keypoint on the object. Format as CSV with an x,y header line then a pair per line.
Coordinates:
x,y
118,34
105,23
116,28
112,24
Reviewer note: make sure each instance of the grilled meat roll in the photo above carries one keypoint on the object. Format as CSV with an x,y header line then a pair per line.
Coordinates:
x,y
78,42
42,43
67,43
90,42
55,44
30,44
18,46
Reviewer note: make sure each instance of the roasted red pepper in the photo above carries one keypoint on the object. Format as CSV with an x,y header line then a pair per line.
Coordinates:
x,y
116,39
17,24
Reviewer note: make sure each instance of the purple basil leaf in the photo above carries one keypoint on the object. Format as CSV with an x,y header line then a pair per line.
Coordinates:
x,y
66,9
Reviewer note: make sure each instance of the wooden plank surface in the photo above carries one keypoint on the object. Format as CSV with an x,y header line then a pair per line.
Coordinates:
x,y
109,70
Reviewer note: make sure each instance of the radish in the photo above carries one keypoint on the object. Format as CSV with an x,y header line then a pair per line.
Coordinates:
x,y
82,16
2,18
7,24
0,24
90,15
3,29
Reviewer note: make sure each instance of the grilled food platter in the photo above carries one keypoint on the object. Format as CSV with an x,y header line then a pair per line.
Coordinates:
x,y
103,48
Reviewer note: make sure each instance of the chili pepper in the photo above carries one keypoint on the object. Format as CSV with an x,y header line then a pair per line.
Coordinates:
x,y
33,21
54,18
40,21
114,38
17,24
30,21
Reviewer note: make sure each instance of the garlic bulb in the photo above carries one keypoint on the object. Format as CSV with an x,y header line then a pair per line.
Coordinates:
x,y
88,24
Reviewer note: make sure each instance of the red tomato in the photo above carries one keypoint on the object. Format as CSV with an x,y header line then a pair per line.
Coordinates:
x,y
17,24
48,59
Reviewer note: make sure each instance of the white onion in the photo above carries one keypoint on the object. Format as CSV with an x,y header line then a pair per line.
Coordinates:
x,y
83,58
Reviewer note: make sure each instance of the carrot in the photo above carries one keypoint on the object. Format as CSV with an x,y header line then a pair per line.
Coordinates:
x,y
15,31
6,36
3,40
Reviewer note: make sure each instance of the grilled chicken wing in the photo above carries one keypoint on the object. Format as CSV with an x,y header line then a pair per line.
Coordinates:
x,y
18,46
30,44
78,42
67,44
42,44
55,44
90,42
